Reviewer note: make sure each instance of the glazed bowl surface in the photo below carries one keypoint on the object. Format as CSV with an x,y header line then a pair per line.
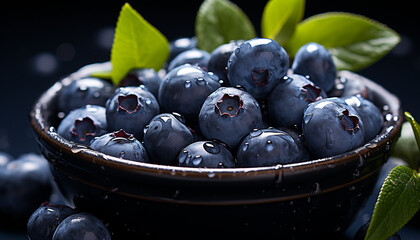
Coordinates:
x,y
314,198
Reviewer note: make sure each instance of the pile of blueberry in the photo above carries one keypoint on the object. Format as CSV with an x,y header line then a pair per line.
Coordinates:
x,y
242,105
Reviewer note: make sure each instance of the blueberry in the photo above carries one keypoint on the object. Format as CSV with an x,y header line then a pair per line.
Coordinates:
x,y
146,77
193,56
43,222
288,100
258,65
330,127
131,109
185,88
208,154
81,226
83,124
369,113
228,115
180,45
219,58
25,183
84,91
122,145
315,60
165,137
267,147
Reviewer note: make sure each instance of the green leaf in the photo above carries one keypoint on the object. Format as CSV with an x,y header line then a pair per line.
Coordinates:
x,y
415,126
280,18
137,44
398,201
220,21
354,41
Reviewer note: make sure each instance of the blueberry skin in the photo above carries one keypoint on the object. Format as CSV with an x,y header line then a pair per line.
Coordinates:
x,y
258,65
121,145
330,127
131,109
315,60
165,137
180,45
44,221
297,135
370,114
219,58
81,226
228,115
146,77
84,91
192,56
267,147
185,88
288,100
25,183
206,154
83,124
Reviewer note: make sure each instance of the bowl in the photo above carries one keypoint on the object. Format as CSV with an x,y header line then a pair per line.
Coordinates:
x,y
317,198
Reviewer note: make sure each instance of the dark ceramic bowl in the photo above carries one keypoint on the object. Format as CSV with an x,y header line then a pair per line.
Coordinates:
x,y
316,198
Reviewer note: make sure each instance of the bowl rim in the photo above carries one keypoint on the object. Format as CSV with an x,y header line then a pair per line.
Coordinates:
x,y
44,131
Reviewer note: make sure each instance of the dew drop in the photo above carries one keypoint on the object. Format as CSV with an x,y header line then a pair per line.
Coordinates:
x,y
122,154
269,146
245,146
183,156
197,160
148,101
200,81
255,133
187,84
211,147
211,174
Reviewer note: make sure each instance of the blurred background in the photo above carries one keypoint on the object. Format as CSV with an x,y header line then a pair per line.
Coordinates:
x,y
41,42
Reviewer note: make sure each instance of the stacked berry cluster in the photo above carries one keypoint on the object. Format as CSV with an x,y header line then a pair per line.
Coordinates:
x,y
241,105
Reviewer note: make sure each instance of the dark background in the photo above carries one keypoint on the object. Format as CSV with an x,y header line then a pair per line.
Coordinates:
x,y
40,42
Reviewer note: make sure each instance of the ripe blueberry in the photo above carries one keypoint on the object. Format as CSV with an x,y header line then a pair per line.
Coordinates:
x,y
315,60
25,183
122,145
185,88
83,124
330,127
81,226
267,147
228,114
44,221
288,100
131,108
258,65
165,137
84,91
181,44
